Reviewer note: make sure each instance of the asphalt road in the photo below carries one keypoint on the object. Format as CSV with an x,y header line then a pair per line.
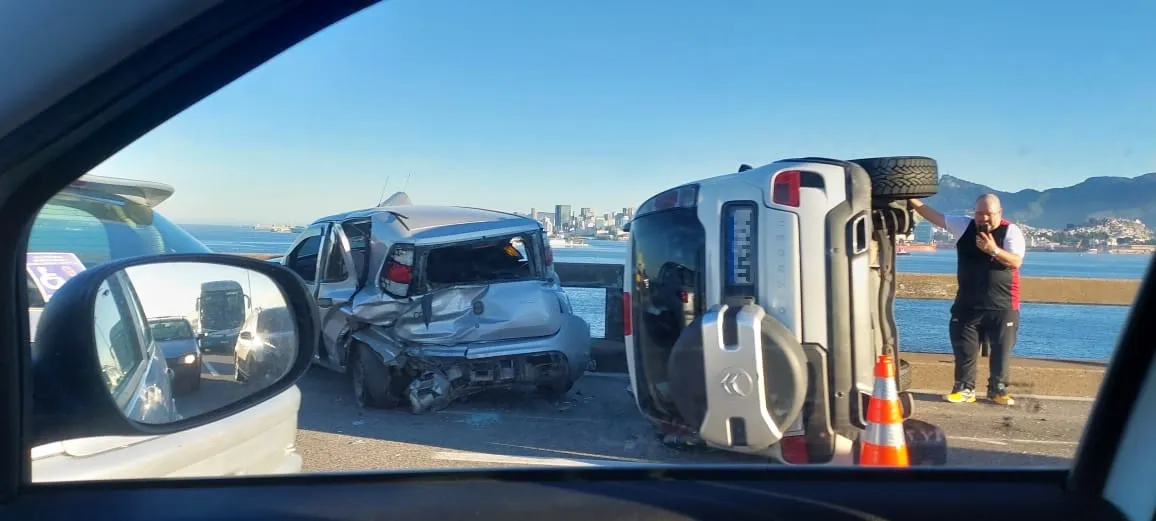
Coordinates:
x,y
218,388
595,424
598,424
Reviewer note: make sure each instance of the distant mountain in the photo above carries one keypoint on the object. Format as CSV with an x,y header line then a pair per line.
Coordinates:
x,y
1095,197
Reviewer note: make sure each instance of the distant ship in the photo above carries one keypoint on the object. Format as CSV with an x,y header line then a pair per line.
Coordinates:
x,y
279,228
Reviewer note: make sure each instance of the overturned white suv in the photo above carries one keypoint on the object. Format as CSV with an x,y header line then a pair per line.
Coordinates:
x,y
427,304
758,302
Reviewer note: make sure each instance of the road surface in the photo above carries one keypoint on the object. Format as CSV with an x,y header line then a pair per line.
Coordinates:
x,y
598,424
595,424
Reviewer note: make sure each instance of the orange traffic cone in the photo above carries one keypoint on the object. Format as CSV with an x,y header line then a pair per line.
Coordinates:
x,y
883,442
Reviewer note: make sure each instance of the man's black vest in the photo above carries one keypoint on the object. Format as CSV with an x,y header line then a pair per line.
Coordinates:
x,y
984,283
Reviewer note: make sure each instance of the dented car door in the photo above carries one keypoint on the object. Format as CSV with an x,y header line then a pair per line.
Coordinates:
x,y
338,283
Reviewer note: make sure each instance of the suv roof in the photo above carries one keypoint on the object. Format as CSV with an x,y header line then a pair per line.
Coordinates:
x,y
147,193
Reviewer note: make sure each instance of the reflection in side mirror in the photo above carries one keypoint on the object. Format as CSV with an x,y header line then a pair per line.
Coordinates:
x,y
147,321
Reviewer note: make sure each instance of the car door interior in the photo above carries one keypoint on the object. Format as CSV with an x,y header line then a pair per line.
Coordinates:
x,y
226,41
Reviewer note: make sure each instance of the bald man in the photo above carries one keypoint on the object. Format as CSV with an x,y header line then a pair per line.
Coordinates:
x,y
990,251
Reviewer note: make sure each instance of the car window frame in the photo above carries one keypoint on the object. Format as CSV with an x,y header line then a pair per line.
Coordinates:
x,y
79,149
128,310
291,258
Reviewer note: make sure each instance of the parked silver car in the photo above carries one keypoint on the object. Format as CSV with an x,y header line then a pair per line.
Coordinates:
x,y
431,303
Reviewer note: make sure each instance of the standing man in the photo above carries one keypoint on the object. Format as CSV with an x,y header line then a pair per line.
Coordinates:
x,y
990,251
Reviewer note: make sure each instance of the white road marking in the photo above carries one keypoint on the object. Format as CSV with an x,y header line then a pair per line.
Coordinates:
x,y
212,370
502,459
484,417
1003,442
1083,399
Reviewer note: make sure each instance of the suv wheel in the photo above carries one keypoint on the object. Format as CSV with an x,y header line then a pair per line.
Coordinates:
x,y
901,177
371,379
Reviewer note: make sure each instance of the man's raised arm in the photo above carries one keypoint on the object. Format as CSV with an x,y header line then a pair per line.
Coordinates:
x,y
929,213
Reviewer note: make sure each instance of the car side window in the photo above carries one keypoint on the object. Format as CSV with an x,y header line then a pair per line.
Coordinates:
x,y
357,232
303,258
335,270
117,341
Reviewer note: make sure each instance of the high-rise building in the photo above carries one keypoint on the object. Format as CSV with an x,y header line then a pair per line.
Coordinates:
x,y
562,214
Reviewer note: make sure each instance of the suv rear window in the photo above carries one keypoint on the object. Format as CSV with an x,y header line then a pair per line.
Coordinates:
x,y
98,228
669,256
479,262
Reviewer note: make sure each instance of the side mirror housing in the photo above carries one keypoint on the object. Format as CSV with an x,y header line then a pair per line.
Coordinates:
x,y
97,371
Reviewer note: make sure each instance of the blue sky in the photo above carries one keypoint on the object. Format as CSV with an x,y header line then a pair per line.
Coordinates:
x,y
511,104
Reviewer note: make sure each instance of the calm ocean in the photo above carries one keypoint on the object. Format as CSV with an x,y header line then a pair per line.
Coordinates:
x,y
1048,331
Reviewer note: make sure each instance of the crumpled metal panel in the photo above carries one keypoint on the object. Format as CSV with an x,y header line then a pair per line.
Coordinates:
x,y
465,314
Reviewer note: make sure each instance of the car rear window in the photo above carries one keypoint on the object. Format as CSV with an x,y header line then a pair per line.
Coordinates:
x,y
171,330
481,262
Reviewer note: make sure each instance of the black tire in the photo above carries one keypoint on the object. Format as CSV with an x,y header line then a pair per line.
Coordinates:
x,y
901,177
904,375
371,380
557,388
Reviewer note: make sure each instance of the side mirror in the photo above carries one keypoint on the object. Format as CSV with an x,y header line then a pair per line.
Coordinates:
x,y
626,226
97,370
200,336
246,335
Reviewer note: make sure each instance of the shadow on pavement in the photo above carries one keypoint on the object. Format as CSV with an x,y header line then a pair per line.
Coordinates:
x,y
957,456
597,423
217,387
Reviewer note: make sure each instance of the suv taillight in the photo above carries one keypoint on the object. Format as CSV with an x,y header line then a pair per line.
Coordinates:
x,y
682,197
785,188
397,275
794,450
627,327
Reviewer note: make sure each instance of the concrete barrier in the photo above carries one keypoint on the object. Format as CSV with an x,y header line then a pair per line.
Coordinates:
x,y
1046,290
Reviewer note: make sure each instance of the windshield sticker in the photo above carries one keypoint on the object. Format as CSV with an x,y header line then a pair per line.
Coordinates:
x,y
49,270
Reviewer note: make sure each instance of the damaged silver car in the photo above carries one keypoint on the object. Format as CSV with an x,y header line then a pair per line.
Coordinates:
x,y
428,304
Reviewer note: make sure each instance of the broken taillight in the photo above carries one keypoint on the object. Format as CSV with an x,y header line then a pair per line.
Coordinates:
x,y
397,274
